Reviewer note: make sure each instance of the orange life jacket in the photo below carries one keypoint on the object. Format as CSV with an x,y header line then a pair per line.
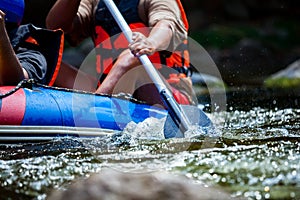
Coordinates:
x,y
110,42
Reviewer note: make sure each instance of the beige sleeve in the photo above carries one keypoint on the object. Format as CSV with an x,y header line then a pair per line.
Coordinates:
x,y
83,24
155,10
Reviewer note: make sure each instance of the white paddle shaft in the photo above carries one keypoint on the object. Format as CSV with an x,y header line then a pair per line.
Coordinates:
x,y
182,120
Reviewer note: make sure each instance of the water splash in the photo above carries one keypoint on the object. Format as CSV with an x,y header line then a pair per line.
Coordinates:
x,y
255,155
150,128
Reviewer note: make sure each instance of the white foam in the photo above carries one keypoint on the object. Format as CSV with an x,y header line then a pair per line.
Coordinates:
x,y
150,128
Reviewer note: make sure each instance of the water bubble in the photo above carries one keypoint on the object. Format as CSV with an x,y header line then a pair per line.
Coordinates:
x,y
267,189
292,195
267,196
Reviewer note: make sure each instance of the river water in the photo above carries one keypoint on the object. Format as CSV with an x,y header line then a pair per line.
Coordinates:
x,y
256,154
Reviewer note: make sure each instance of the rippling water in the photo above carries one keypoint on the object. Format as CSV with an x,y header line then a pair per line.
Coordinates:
x,y
256,155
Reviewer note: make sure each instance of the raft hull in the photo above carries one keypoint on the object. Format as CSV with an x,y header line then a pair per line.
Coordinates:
x,y
45,113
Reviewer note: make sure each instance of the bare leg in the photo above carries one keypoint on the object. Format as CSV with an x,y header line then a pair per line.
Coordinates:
x,y
70,77
126,61
129,76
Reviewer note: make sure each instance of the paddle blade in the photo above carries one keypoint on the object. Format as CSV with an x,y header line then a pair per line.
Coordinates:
x,y
196,117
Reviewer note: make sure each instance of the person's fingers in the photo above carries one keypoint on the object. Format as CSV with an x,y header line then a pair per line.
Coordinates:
x,y
2,19
2,15
138,49
140,45
135,46
136,37
146,51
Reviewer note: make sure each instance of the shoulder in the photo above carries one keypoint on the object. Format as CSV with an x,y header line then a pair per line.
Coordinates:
x,y
162,10
86,10
167,4
165,8
83,23
88,6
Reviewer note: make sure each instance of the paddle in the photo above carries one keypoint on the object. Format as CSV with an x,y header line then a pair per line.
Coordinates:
x,y
177,114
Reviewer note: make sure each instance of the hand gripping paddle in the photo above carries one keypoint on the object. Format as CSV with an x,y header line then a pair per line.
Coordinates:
x,y
178,120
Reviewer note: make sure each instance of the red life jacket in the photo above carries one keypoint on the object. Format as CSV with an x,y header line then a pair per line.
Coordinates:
x,y
110,42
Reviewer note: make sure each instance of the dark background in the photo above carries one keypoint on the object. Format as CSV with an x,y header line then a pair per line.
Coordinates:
x,y
248,39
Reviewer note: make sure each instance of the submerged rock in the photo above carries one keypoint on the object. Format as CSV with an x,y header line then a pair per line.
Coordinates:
x,y
111,184
286,78
292,71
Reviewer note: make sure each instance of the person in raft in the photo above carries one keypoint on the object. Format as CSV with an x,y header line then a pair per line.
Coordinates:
x,y
26,52
159,31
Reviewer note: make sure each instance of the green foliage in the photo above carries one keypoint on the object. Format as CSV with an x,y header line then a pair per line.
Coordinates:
x,y
281,34
285,35
282,82
222,36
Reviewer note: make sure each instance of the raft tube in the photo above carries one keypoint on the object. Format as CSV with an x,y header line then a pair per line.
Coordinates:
x,y
46,112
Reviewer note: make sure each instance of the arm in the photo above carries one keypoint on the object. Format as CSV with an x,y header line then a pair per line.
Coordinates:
x,y
62,15
74,17
154,11
158,39
11,71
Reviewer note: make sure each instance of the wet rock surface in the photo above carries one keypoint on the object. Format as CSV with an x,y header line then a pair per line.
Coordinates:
x,y
111,184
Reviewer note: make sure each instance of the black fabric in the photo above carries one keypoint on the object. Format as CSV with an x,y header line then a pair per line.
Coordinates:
x,y
39,59
129,10
34,63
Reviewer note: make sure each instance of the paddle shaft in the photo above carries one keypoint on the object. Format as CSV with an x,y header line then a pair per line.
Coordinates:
x,y
174,109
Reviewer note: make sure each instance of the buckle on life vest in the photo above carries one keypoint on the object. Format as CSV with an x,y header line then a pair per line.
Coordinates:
x,y
184,70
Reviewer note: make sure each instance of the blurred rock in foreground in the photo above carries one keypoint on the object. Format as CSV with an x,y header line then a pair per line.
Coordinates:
x,y
110,184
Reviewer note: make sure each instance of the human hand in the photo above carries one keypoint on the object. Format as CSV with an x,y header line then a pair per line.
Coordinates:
x,y
2,18
141,45
2,22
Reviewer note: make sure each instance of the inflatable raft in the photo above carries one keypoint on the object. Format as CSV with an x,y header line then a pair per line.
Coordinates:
x,y
31,112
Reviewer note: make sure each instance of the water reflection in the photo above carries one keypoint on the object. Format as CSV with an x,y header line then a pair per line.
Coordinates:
x,y
257,155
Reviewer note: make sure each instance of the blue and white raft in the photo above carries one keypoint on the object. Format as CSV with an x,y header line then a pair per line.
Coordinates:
x,y
33,112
